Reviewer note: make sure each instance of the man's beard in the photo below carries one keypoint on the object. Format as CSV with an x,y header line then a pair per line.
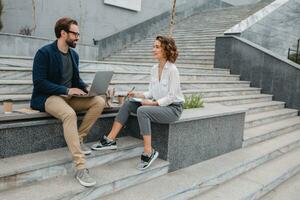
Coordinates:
x,y
71,43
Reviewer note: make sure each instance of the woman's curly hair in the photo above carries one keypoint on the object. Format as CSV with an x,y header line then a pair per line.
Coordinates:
x,y
169,47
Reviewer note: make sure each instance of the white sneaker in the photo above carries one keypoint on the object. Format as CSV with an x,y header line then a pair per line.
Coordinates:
x,y
85,150
82,175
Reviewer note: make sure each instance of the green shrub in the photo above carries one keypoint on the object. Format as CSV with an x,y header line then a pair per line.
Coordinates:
x,y
1,8
193,101
293,58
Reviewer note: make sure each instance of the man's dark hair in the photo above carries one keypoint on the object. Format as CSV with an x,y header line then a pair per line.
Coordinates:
x,y
63,24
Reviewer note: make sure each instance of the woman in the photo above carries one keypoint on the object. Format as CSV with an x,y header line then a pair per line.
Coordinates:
x,y
162,103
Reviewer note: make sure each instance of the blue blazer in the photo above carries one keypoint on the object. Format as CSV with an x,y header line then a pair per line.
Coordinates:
x,y
47,75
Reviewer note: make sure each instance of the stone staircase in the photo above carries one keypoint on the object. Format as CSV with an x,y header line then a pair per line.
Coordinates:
x,y
50,173
195,37
16,79
271,137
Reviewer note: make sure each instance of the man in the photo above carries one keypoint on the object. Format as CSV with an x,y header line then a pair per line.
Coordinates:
x,y
55,79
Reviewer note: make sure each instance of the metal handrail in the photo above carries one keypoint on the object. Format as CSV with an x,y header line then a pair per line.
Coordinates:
x,y
295,50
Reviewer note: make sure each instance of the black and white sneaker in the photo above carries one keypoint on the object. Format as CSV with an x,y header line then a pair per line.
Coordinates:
x,y
147,160
105,143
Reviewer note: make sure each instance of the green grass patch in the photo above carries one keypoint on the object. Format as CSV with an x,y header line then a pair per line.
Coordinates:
x,y
193,101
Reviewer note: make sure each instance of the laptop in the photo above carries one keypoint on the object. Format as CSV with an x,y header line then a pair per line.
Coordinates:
x,y
99,85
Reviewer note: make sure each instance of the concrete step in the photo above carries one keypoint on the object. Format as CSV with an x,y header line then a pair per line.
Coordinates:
x,y
259,181
271,130
150,57
186,85
187,38
198,179
17,98
178,44
223,92
25,86
181,40
196,51
287,190
116,66
110,178
9,73
22,170
182,54
189,22
213,21
258,119
178,32
200,40
194,31
261,106
191,59
215,28
197,62
181,48
234,100
218,92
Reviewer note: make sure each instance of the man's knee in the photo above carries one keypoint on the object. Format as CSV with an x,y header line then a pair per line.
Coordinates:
x,y
68,115
99,101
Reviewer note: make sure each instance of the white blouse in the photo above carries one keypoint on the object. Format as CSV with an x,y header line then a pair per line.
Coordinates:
x,y
167,90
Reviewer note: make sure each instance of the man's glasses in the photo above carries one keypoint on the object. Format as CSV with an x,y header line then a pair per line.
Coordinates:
x,y
75,33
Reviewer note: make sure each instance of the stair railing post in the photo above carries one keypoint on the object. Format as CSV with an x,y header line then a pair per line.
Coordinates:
x,y
297,52
172,16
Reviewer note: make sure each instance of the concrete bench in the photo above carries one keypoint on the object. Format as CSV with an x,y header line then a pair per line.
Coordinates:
x,y
28,133
200,134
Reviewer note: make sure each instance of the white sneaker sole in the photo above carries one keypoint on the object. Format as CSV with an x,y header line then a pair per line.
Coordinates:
x,y
104,148
87,152
85,184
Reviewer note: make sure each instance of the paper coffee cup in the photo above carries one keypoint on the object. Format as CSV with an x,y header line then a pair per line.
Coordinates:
x,y
121,99
7,106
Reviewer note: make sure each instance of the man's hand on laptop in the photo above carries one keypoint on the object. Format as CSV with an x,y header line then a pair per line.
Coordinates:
x,y
76,91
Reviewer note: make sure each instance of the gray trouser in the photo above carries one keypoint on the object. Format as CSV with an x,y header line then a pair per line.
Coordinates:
x,y
148,114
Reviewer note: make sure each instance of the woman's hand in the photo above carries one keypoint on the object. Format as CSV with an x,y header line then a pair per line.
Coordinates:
x,y
148,102
130,94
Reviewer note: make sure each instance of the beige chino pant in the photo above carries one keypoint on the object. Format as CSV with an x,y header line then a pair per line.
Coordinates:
x,y
64,109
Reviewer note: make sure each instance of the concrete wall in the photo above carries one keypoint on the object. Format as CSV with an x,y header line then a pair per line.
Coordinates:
x,y
279,30
273,73
97,20
19,45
